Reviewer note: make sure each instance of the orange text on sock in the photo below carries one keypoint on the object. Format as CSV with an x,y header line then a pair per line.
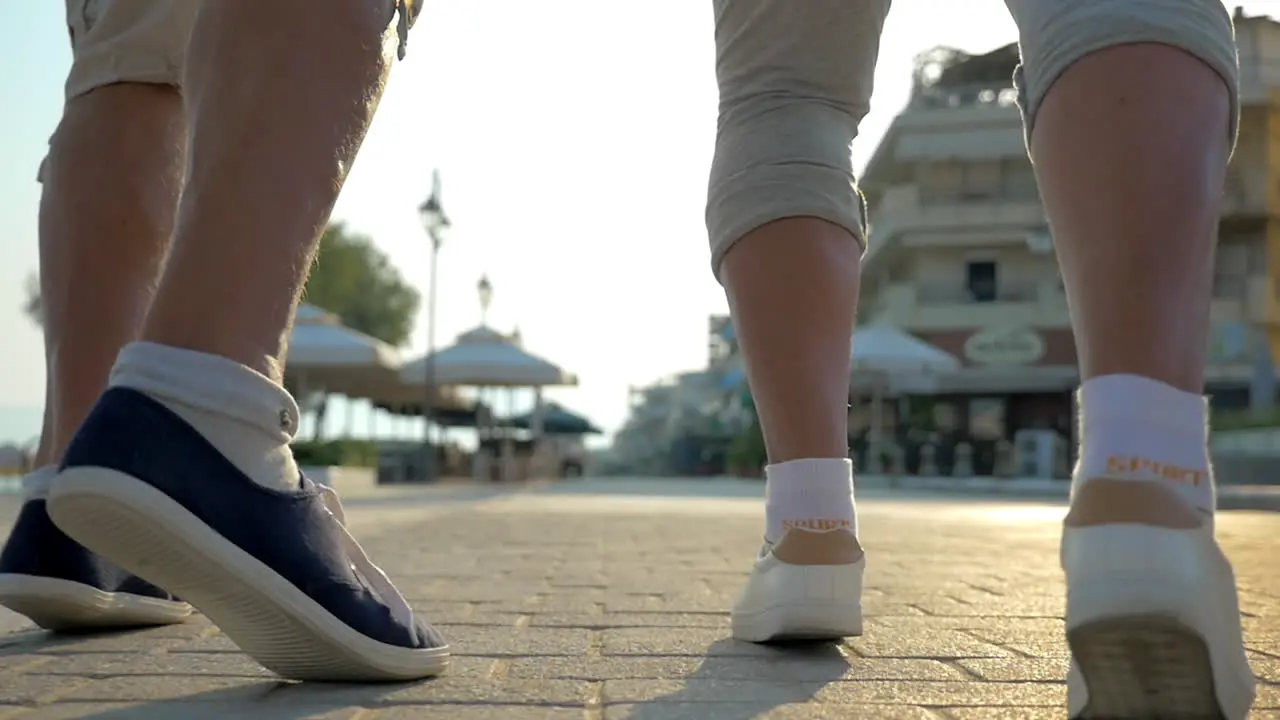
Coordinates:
x,y
1133,465
816,524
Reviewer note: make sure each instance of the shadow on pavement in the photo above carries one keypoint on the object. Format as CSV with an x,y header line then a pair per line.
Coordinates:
x,y
277,700
803,670
245,695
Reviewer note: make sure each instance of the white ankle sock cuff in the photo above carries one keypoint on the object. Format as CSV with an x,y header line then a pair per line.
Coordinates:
x,y
210,383
35,484
247,417
814,494
1135,428
1140,399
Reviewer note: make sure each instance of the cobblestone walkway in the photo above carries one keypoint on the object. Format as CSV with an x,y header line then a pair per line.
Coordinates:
x,y
564,603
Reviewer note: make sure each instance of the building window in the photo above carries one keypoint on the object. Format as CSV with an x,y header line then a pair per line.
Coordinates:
x,y
940,181
980,280
982,180
1231,269
987,418
1019,180
958,181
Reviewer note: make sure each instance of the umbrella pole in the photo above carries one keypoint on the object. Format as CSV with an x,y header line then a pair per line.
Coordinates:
x,y
481,464
350,430
875,464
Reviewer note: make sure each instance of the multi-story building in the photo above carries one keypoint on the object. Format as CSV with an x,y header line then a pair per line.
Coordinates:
x,y
962,258
683,424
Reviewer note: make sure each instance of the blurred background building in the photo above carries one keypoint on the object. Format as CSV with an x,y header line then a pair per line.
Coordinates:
x,y
961,258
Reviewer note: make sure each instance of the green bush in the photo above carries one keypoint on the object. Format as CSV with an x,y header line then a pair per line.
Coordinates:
x,y
747,451
1245,419
336,453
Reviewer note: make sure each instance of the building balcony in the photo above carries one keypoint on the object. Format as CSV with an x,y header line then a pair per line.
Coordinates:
x,y
921,307
1245,194
974,95
903,219
1261,306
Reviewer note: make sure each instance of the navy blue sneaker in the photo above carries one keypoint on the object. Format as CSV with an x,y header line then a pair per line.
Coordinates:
x,y
61,586
277,572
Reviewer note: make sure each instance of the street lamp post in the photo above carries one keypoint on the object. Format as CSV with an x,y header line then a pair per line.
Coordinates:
x,y
485,290
436,223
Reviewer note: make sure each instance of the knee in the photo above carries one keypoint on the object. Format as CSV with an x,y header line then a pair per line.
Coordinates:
x,y
794,84
791,161
1054,35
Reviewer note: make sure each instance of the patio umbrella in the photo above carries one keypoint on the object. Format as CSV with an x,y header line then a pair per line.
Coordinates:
x,y
326,355
556,420
484,357
894,360
883,348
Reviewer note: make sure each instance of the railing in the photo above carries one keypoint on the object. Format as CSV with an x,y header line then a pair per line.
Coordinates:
x,y
1021,192
977,95
947,294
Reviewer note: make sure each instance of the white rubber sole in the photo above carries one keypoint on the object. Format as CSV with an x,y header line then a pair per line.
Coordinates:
x,y
144,531
800,602
1153,625
65,606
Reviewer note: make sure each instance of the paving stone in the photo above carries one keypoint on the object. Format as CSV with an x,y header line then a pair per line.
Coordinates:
x,y
738,711
562,603
475,712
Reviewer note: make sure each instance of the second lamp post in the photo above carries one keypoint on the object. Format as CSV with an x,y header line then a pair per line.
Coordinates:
x,y
436,223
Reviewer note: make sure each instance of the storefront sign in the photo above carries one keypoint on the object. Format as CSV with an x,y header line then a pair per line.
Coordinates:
x,y
1005,346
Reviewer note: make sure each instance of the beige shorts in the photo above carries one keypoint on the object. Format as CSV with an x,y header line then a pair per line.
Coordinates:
x,y
145,41
134,41
796,77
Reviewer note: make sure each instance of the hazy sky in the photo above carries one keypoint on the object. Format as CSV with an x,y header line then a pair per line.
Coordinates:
x,y
574,138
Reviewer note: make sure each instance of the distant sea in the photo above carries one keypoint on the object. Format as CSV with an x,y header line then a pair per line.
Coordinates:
x,y
19,425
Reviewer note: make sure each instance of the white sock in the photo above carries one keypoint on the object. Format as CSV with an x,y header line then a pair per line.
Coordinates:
x,y
35,484
1136,428
814,494
241,412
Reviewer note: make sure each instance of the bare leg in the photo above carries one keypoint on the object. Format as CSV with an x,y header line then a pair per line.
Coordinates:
x,y
111,184
787,238
280,96
183,472
1131,144
1136,222
793,291
1135,219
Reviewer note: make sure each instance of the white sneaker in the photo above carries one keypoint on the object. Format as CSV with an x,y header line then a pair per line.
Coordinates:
x,y
1153,622
783,601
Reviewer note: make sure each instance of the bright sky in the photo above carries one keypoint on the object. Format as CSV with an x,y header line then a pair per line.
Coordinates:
x,y
574,138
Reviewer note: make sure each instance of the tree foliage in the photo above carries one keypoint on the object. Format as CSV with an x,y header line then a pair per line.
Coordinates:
x,y
357,282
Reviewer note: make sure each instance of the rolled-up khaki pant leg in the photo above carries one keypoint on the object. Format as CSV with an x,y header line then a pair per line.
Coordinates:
x,y
795,79
1054,34
127,41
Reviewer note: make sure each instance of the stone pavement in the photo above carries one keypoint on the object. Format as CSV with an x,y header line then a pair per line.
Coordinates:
x,y
584,601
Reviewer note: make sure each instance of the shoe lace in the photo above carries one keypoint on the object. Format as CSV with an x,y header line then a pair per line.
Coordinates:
x,y
360,562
